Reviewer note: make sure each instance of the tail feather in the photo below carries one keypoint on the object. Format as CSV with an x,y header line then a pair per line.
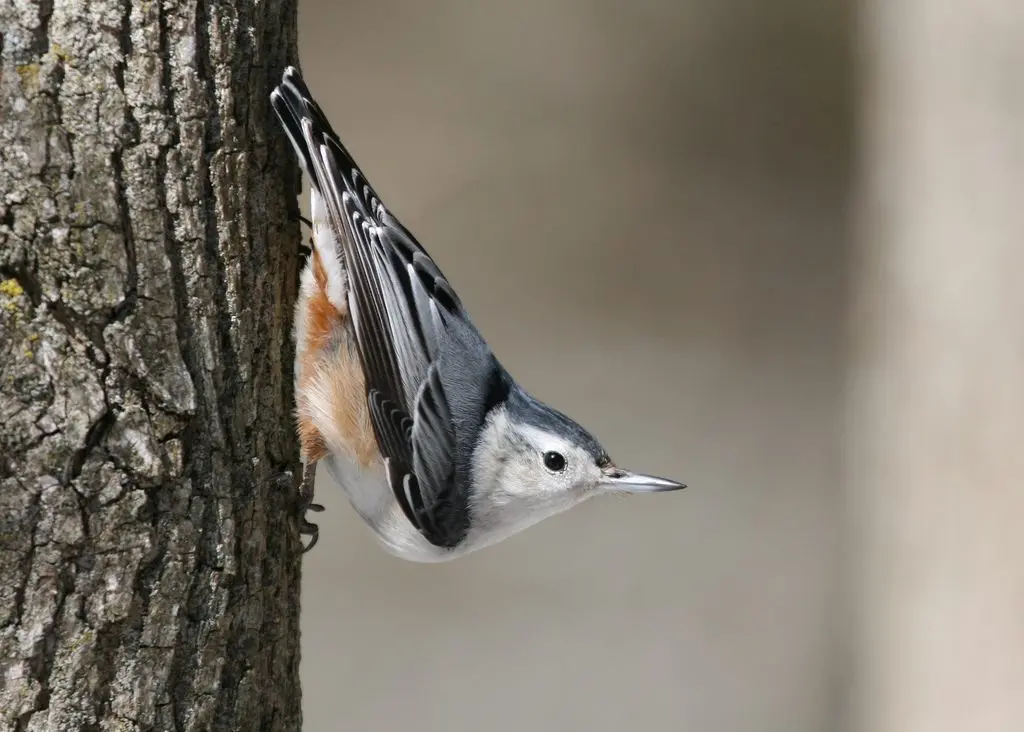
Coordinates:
x,y
292,102
294,105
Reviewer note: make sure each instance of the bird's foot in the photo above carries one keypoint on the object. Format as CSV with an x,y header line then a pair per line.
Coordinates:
x,y
307,527
286,481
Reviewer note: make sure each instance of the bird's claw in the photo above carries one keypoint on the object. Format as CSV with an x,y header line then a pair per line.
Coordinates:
x,y
307,527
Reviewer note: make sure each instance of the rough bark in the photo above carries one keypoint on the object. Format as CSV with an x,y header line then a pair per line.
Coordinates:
x,y
936,465
149,564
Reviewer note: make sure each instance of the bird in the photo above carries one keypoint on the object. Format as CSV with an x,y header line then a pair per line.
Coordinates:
x,y
441,452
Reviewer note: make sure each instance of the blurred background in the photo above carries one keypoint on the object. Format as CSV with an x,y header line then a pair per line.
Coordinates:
x,y
651,209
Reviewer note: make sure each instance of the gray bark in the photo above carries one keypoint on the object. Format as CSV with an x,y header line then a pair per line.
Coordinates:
x,y
936,465
149,564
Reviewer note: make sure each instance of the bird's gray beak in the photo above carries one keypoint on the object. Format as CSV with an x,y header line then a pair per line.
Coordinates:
x,y
627,482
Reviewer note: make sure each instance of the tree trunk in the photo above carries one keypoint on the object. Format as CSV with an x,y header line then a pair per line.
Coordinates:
x,y
936,466
149,564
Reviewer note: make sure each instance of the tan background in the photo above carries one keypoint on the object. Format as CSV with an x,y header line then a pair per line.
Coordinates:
x,y
642,204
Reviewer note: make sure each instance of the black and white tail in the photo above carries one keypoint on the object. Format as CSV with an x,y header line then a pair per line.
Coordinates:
x,y
293,103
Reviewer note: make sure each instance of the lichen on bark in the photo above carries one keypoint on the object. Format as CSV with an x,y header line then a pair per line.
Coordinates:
x,y
149,563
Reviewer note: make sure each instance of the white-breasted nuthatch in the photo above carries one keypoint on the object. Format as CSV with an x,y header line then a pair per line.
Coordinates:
x,y
440,451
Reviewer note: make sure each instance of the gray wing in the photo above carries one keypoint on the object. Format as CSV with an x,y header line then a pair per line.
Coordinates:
x,y
401,306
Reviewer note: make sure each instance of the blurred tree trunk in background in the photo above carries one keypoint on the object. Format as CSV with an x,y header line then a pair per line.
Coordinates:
x,y
149,567
936,460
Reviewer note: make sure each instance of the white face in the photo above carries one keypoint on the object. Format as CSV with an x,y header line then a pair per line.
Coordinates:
x,y
544,465
525,474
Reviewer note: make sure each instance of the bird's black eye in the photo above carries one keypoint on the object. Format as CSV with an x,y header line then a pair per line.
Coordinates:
x,y
554,462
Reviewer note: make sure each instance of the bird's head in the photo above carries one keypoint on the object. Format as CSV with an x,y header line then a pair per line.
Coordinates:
x,y
532,462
